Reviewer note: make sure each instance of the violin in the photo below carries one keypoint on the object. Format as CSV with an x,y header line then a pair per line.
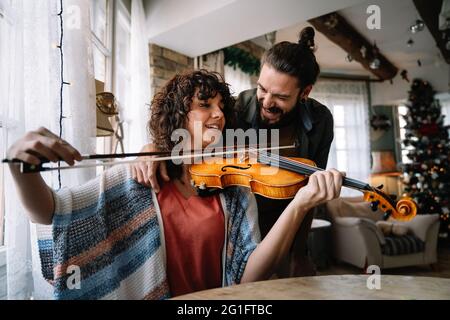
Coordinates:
x,y
292,174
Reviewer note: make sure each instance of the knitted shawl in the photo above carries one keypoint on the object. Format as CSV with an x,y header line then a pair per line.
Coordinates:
x,y
107,239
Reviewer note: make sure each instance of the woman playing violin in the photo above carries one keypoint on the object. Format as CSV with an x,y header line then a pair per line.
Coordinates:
x,y
127,242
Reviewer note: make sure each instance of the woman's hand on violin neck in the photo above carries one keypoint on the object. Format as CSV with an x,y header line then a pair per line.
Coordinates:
x,y
42,143
322,186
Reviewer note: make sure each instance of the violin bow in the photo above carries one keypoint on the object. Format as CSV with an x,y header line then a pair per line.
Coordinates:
x,y
157,156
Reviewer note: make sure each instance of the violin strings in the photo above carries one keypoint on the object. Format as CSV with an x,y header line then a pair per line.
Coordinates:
x,y
307,169
349,182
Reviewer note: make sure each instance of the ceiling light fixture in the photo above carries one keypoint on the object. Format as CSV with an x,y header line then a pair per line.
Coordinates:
x,y
375,64
418,26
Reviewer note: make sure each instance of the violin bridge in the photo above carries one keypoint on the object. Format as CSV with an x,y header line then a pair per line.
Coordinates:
x,y
243,158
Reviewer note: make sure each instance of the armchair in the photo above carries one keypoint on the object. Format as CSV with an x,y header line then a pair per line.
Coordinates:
x,y
358,240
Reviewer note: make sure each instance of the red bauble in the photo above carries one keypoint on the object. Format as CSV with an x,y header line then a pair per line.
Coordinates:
x,y
429,129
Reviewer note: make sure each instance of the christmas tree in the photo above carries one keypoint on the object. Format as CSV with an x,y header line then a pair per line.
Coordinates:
x,y
427,176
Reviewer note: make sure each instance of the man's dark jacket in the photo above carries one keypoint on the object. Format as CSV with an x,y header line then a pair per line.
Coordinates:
x,y
314,134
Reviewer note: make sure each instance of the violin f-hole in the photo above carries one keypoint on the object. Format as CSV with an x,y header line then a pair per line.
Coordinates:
x,y
236,167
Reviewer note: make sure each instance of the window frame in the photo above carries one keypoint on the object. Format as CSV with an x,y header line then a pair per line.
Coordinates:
x,y
103,144
122,19
115,13
347,149
120,8
107,48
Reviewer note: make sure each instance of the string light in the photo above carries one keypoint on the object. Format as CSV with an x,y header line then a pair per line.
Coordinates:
x,y
63,83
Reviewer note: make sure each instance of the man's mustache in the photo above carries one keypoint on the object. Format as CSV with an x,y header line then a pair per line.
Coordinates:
x,y
274,109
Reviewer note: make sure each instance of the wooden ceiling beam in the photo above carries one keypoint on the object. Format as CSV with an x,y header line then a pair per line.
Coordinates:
x,y
429,11
338,30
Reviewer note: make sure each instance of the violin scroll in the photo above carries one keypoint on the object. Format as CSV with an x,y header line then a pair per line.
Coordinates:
x,y
407,209
403,210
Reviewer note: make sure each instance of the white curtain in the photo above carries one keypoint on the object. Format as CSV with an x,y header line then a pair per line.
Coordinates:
x,y
350,150
238,79
30,67
136,114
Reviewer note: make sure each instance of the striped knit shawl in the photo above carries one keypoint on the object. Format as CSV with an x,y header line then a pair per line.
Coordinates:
x,y
107,239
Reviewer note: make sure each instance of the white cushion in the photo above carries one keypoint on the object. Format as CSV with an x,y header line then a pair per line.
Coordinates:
x,y
420,224
392,228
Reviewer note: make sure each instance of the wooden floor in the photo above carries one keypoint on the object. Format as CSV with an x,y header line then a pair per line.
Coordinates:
x,y
440,270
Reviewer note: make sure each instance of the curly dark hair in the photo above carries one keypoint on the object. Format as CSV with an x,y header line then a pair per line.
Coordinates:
x,y
171,105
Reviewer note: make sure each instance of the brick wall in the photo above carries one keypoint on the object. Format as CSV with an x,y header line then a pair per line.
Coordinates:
x,y
251,47
164,64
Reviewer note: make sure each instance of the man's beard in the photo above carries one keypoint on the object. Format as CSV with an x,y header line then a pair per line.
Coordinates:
x,y
286,118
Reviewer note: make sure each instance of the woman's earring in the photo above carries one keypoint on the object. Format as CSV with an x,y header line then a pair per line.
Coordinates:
x,y
302,100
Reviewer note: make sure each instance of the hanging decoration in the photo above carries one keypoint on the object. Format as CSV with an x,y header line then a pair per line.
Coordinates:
x,y
236,57
404,75
363,51
375,63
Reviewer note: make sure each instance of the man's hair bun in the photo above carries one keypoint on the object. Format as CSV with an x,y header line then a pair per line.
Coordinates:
x,y
306,38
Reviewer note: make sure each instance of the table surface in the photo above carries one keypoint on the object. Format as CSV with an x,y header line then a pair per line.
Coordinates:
x,y
338,287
